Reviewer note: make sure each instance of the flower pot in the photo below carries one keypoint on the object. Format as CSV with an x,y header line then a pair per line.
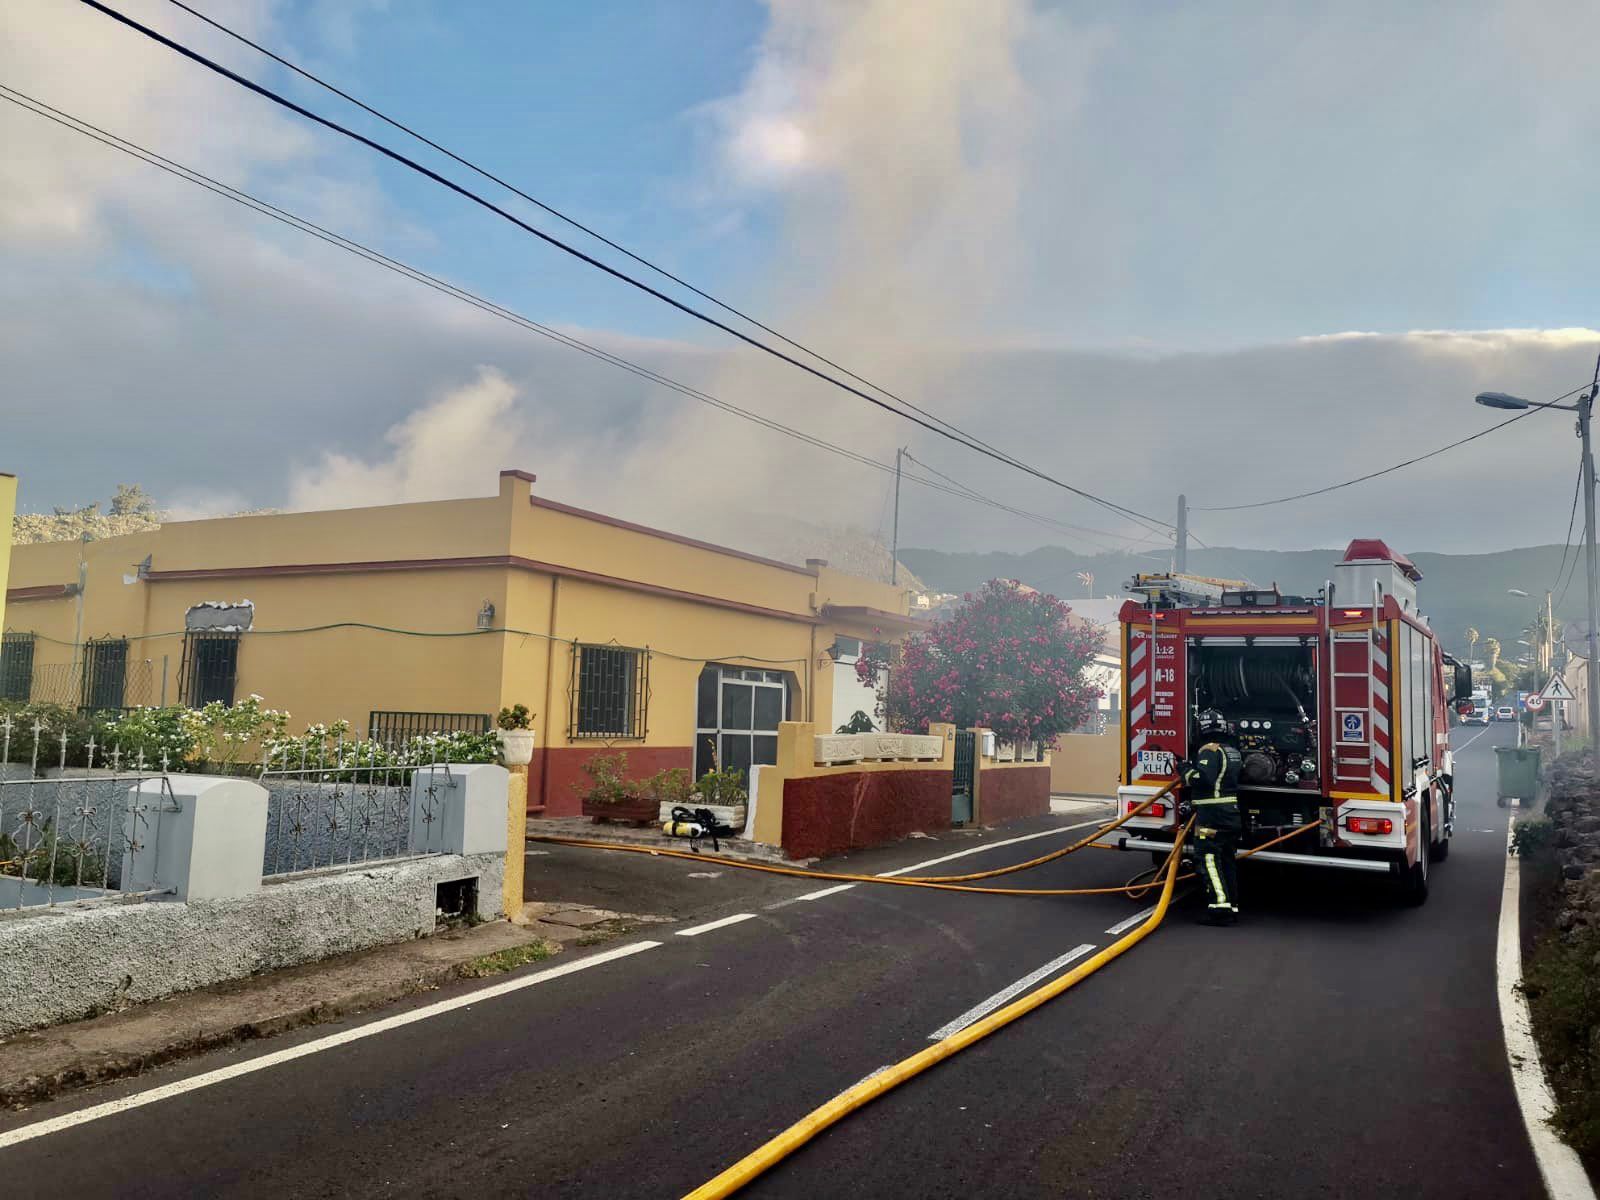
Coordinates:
x,y
637,810
516,746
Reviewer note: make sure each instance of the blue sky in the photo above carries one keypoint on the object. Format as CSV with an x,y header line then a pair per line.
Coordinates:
x,y
1115,240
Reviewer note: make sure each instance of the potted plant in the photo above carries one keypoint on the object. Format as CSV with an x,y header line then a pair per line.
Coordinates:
x,y
612,796
515,735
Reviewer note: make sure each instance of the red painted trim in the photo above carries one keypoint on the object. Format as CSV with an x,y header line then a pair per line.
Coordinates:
x,y
529,476
513,561
617,523
43,591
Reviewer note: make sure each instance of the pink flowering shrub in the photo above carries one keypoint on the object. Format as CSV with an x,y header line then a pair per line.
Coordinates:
x,y
1006,660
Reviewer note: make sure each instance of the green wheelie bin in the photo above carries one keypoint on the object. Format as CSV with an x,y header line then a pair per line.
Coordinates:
x,y
1518,774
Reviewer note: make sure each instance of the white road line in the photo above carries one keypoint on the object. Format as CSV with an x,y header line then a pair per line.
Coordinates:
x,y
1564,1176
1027,837
1124,926
83,1116
830,891
978,1012
1471,739
697,930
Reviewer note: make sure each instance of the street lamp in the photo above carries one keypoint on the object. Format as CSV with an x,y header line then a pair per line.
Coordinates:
x,y
1583,408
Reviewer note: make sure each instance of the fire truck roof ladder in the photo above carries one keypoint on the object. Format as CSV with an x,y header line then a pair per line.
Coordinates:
x,y
1170,588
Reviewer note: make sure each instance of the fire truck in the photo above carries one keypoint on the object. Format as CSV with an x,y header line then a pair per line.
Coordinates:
x,y
1339,703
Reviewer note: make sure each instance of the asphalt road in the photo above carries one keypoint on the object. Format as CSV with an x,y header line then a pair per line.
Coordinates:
x,y
1333,1044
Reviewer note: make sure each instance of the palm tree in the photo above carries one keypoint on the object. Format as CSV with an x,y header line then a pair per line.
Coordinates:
x,y
1473,637
1491,651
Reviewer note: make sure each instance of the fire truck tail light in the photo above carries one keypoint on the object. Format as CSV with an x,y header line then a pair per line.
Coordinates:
x,y
1369,825
1159,811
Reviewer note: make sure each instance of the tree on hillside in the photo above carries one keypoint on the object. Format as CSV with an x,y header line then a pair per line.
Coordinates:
x,y
1473,638
1006,659
131,510
1491,652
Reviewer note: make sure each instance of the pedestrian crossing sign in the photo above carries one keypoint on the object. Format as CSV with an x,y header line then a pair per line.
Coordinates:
x,y
1556,689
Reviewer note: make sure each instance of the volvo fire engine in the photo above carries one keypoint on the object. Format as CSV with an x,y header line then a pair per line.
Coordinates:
x,y
1339,704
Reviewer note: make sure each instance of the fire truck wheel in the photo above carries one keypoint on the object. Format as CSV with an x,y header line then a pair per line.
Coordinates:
x,y
1414,877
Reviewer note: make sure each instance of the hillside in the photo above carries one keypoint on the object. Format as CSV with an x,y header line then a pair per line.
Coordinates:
x,y
1457,590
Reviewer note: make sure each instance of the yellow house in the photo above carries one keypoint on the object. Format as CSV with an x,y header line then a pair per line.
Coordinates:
x,y
414,617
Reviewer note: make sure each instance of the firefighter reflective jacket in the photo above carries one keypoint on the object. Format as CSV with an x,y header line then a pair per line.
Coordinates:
x,y
1213,777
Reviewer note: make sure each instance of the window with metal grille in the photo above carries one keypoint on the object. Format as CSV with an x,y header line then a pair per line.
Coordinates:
x,y
610,692
393,727
105,672
211,667
16,666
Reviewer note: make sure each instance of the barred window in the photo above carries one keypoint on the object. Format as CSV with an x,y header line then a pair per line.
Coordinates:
x,y
611,688
211,667
105,673
16,666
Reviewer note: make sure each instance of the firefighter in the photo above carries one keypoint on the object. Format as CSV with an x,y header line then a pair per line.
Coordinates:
x,y
1212,781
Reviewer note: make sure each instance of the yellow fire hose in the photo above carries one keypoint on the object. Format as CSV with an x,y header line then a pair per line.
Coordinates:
x,y
934,882
842,1105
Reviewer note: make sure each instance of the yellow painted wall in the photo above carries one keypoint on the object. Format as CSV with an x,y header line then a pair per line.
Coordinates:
x,y
8,510
1086,764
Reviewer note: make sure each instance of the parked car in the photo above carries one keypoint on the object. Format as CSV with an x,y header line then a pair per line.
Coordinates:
x,y
1505,713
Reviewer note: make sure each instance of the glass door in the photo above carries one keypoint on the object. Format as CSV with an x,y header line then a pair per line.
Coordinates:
x,y
738,711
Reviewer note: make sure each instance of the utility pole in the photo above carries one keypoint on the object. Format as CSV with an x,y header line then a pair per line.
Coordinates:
x,y
894,550
1592,698
1182,557
77,619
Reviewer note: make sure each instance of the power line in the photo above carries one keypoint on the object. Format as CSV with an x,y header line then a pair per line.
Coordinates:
x,y
284,216
1388,470
1572,519
485,173
622,276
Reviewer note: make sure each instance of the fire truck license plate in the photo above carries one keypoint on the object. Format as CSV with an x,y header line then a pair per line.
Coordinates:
x,y
1155,762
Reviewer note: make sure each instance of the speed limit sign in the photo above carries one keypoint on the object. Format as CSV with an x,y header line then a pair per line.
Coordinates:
x,y
1534,702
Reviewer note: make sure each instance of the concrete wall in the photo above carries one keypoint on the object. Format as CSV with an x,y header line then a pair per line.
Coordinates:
x,y
1011,791
1086,764
64,963
849,809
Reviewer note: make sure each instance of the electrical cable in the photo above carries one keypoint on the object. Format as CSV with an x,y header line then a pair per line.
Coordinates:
x,y
1386,470
1572,520
962,439
559,215
377,258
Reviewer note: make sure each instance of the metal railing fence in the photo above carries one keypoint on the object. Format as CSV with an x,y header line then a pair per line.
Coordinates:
x,y
393,727
68,838
344,804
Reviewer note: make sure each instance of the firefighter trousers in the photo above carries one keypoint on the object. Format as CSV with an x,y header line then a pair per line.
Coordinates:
x,y
1216,838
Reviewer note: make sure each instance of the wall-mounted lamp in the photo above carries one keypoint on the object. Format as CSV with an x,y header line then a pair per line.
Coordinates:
x,y
486,616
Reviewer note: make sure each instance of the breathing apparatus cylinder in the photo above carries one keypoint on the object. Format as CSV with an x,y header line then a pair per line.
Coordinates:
x,y
683,829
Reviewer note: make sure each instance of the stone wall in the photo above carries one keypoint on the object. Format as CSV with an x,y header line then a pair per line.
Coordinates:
x,y
60,964
1574,810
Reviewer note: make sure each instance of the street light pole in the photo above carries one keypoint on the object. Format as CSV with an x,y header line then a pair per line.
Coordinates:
x,y
1584,408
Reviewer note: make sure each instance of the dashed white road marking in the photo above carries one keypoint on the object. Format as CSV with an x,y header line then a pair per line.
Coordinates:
x,y
1564,1176
697,930
983,1009
1129,923
828,891
979,849
83,1116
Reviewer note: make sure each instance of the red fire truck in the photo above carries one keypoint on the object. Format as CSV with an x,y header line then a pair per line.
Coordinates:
x,y
1339,703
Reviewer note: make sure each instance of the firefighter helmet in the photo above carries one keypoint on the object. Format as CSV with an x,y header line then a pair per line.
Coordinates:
x,y
1211,723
